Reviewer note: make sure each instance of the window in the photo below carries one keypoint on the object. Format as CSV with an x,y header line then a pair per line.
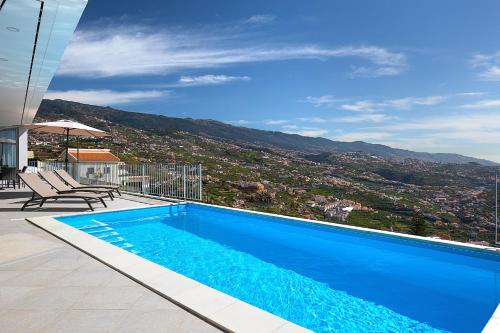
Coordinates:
x,y
90,171
8,147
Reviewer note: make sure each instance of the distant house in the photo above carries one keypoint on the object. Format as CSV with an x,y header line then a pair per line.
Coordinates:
x,y
251,186
93,163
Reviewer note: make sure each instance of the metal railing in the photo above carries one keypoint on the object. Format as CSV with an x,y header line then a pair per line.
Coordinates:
x,y
179,181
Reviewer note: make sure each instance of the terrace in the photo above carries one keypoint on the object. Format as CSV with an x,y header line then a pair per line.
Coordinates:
x,y
56,277
47,285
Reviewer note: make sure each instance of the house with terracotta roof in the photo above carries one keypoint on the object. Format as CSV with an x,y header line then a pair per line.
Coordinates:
x,y
93,163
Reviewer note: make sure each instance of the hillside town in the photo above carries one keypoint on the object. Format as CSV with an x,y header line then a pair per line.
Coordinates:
x,y
351,188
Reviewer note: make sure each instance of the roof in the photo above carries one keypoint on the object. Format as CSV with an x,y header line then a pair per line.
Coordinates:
x,y
93,155
19,26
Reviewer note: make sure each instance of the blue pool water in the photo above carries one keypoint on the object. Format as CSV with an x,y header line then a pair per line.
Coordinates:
x,y
324,278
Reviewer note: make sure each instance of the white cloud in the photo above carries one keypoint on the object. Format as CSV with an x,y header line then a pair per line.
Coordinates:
x,y
305,131
367,117
471,93
484,122
209,80
373,72
319,101
409,102
240,122
479,60
133,50
275,122
316,120
312,132
422,143
484,104
488,65
106,97
476,136
261,19
359,106
361,136
405,103
491,74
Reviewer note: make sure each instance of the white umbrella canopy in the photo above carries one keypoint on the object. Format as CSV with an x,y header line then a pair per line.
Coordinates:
x,y
66,127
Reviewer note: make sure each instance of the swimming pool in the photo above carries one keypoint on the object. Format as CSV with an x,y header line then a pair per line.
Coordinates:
x,y
324,278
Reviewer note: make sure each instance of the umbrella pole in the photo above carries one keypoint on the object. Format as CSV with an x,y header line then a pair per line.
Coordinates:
x,y
67,148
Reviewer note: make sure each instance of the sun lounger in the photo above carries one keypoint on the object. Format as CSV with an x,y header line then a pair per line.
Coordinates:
x,y
61,187
43,192
76,185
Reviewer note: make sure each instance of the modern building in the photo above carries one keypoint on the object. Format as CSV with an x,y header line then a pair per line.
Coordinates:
x,y
33,37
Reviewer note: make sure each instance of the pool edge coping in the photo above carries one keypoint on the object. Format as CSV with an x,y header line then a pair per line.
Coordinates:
x,y
219,309
481,248
493,324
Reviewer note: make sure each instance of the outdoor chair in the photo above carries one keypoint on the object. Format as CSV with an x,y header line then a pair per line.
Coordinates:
x,y
9,174
76,185
23,170
43,192
61,187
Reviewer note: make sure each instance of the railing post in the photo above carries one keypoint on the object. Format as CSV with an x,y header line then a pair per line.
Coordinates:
x,y
200,183
184,181
143,182
77,172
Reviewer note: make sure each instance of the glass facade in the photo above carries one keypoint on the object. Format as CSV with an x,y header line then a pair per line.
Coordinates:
x,y
8,147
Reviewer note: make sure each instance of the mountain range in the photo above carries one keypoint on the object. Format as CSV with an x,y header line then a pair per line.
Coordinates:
x,y
164,125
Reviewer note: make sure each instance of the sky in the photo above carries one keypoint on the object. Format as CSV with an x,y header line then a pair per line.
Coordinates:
x,y
420,75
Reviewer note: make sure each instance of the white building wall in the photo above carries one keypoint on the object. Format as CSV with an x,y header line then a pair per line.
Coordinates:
x,y
22,148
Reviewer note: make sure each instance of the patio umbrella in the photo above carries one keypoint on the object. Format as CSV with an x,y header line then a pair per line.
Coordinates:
x,y
66,127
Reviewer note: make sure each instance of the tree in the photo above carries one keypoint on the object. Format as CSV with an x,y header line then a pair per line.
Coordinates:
x,y
418,226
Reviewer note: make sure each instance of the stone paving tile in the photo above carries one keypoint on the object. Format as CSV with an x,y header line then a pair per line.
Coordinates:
x,y
36,278
22,321
6,275
113,298
11,295
53,298
87,321
85,278
14,246
29,263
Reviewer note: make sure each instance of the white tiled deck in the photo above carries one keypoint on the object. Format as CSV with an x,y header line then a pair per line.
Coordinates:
x,y
46,285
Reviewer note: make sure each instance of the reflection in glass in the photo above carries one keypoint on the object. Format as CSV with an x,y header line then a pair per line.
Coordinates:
x,y
8,151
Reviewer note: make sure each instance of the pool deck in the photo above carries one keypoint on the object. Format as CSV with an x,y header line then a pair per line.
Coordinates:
x,y
47,285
